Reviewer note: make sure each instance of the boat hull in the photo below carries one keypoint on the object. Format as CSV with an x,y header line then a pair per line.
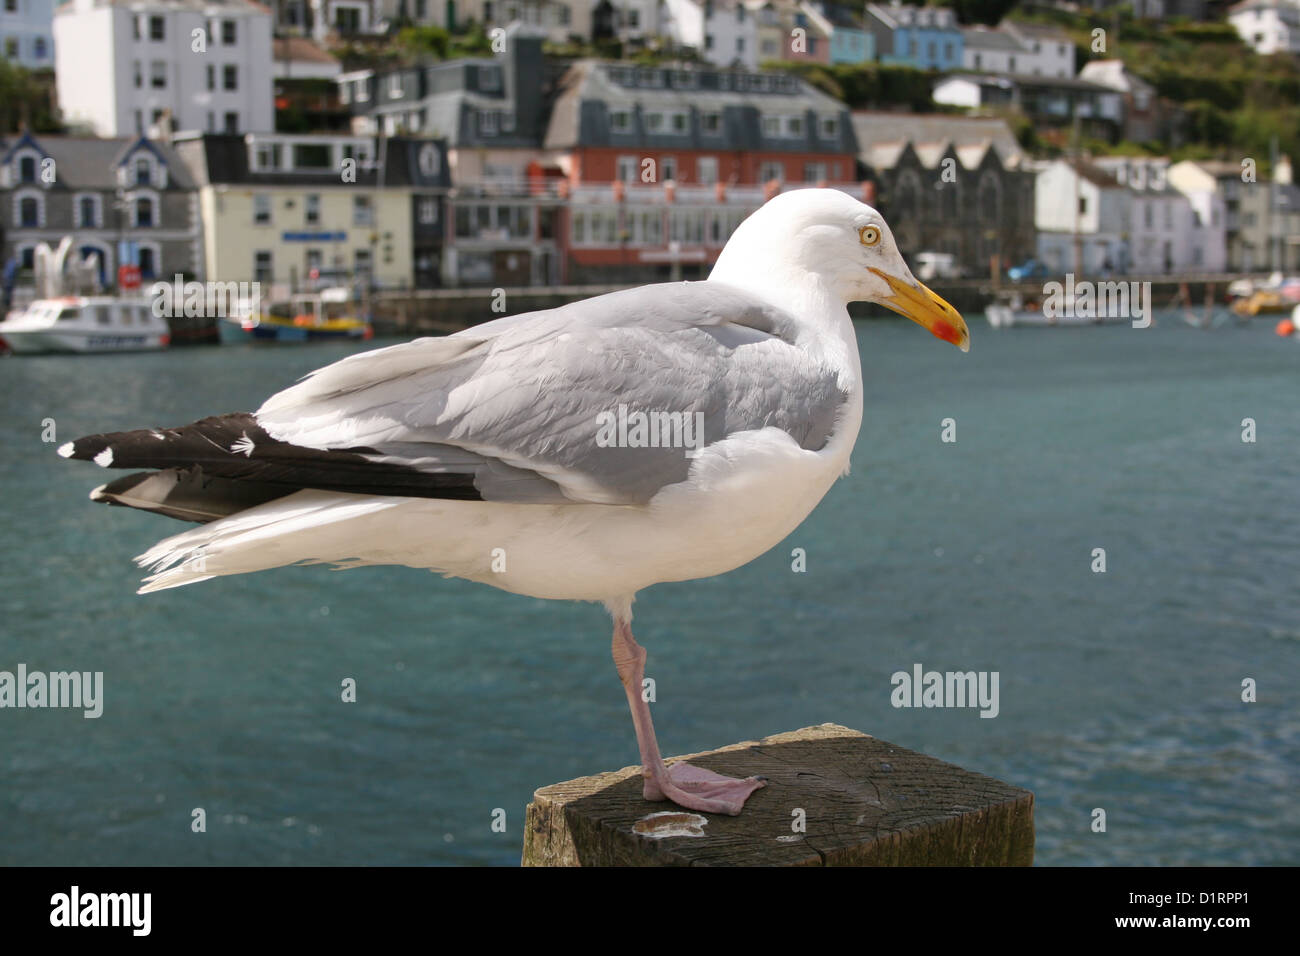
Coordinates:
x,y
40,341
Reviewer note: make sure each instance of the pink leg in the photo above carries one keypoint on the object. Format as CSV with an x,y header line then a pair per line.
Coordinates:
x,y
692,787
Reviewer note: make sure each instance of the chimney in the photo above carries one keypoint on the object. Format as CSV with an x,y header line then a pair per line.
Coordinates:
x,y
1282,171
525,69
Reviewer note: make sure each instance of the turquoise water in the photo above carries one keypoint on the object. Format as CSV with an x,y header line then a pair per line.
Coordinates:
x,y
1118,690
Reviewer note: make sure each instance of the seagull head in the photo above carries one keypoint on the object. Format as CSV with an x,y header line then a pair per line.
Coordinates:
x,y
847,245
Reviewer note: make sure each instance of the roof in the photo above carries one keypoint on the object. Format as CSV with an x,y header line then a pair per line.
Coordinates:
x,y
592,88
1023,80
1039,31
1115,75
1093,174
154,6
215,158
89,162
985,38
882,136
897,15
299,50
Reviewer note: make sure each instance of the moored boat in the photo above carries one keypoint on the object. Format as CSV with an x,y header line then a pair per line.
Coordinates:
x,y
85,324
303,318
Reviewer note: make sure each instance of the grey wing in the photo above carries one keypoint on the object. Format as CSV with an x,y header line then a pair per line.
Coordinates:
x,y
601,401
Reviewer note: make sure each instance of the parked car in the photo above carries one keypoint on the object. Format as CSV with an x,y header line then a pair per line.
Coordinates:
x,y
1029,269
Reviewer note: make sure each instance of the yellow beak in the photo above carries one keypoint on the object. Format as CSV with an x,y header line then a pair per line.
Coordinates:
x,y
926,309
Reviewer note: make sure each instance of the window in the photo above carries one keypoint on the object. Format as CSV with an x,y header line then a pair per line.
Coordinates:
x,y
711,123
668,168
261,209
267,156
137,75
794,126
311,209
232,122
262,271
361,261
29,212
634,19
227,32
489,79
27,169
87,217
814,172
212,77
740,41
394,86
771,126
1083,205
680,123
362,211
144,212
487,123
230,77
143,171
158,75
157,29
311,156
626,169
620,121
769,170
427,211
654,122
148,264
706,170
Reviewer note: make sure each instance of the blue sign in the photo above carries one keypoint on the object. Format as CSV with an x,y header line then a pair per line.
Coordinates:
x,y
315,236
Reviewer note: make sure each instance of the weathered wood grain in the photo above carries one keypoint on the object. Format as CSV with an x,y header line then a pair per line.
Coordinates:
x,y
866,802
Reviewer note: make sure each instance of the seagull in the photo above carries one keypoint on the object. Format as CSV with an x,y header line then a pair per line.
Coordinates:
x,y
662,433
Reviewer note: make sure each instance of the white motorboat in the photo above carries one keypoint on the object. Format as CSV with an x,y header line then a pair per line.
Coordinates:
x,y
85,324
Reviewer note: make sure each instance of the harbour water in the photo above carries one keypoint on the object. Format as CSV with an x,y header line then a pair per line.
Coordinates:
x,y
1119,690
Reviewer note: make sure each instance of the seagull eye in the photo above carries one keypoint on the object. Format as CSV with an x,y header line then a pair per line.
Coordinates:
x,y
869,235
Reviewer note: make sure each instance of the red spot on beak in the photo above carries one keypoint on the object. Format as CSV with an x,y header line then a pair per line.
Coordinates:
x,y
942,330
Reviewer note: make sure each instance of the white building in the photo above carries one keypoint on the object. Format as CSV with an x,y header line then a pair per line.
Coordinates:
x,y
988,50
1080,212
1160,221
1019,48
724,32
628,20
1209,207
1268,26
26,33
1049,51
122,67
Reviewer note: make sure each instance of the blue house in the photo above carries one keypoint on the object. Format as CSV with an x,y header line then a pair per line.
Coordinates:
x,y
927,38
850,40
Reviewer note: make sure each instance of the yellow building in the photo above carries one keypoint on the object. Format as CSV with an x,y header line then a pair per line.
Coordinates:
x,y
307,211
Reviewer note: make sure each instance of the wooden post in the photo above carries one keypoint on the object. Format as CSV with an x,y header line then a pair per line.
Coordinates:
x,y
862,801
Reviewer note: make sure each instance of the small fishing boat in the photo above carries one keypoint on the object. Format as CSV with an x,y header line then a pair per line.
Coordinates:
x,y
1015,309
85,324
1279,296
306,317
